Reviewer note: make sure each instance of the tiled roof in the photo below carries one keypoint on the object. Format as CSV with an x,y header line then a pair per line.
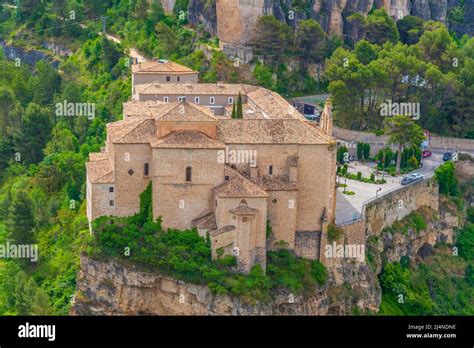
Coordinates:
x,y
183,111
187,139
272,105
140,108
194,88
161,66
207,221
260,131
132,131
239,187
274,183
100,172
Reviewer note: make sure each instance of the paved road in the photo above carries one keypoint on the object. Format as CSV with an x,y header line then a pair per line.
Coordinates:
x,y
349,208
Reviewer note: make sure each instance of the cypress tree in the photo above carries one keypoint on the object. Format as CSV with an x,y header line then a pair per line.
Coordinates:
x,y
234,115
239,113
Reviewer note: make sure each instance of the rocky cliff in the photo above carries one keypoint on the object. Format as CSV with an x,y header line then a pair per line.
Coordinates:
x,y
233,20
112,288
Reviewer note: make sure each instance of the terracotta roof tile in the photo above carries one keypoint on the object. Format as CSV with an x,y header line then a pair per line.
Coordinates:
x,y
187,139
207,221
274,183
100,172
183,111
261,131
193,88
239,187
161,66
132,131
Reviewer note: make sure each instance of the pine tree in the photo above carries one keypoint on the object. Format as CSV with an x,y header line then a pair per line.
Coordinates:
x,y
20,220
239,112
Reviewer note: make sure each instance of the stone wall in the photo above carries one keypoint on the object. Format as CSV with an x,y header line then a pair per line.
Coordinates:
x,y
378,142
394,206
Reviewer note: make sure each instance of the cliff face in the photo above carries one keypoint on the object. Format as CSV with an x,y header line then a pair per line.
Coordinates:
x,y
234,20
110,288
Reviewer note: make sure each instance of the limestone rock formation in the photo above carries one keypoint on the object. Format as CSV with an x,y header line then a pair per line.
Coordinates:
x,y
234,20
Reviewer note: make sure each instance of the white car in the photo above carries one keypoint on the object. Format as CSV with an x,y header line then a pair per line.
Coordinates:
x,y
417,176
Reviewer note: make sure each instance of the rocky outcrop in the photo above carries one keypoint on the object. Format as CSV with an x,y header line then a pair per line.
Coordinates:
x,y
24,56
110,288
234,20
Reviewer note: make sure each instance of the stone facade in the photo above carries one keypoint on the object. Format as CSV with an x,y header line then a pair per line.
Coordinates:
x,y
228,178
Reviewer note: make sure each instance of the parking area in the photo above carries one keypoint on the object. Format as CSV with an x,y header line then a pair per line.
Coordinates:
x,y
349,207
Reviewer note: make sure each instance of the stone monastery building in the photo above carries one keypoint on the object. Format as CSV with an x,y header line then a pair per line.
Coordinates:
x,y
227,177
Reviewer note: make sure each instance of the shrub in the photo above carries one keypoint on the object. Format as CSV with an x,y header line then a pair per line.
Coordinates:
x,y
372,177
470,215
446,178
418,222
465,242
359,175
334,232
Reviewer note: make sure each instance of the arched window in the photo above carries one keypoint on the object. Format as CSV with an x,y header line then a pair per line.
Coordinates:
x,y
189,174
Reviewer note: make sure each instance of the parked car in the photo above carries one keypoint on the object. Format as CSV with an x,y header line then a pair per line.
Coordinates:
x,y
427,153
407,180
417,176
447,156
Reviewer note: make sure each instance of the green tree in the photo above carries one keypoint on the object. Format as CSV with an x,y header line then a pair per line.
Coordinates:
x,y
272,38
20,220
234,114
7,102
45,84
239,111
34,133
380,28
310,41
446,177
403,131
410,29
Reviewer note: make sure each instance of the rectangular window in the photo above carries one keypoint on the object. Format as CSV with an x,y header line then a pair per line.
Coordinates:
x,y
226,178
146,169
230,100
177,79
168,78
196,100
212,100
181,99
270,170
111,189
165,99
111,203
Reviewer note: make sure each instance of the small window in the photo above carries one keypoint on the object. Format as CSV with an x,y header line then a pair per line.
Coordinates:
x,y
226,178
181,99
130,172
168,78
230,100
165,99
196,100
212,112
111,203
177,79
189,174
270,170
274,201
212,100
111,189
146,169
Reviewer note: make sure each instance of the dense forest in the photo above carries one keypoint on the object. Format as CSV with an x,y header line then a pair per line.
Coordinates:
x,y
42,154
